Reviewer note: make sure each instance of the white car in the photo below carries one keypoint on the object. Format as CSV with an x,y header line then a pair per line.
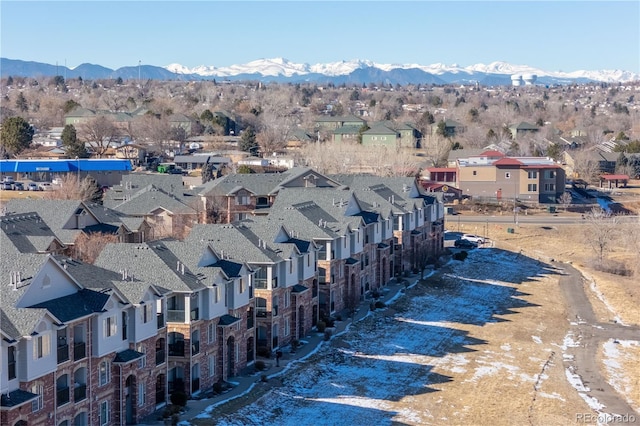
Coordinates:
x,y
45,186
473,238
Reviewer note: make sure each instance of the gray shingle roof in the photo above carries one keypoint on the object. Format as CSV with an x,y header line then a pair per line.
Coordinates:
x,y
127,356
77,305
16,397
150,199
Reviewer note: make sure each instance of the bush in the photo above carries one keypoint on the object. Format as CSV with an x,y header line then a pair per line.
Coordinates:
x,y
217,386
375,294
461,256
294,345
170,410
327,334
179,398
264,378
263,351
372,306
380,304
260,365
321,326
613,267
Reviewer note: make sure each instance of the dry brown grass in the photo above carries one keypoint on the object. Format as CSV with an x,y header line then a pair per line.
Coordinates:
x,y
628,360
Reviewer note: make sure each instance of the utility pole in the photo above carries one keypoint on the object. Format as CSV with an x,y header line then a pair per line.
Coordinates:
x,y
139,64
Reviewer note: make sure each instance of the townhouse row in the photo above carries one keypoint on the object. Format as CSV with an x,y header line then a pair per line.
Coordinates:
x,y
109,342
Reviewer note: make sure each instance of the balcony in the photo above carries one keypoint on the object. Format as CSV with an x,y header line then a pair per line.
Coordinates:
x,y
62,396
79,350
177,348
160,320
195,314
195,347
160,356
175,315
260,283
261,312
79,393
63,353
176,385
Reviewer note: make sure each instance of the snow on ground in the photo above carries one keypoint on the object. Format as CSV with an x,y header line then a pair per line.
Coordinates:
x,y
576,382
385,359
617,375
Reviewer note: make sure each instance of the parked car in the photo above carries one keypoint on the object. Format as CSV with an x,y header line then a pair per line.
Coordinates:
x,y
8,179
45,186
32,187
6,186
18,186
464,244
473,238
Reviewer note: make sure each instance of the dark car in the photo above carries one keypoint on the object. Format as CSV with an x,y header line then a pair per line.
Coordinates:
x,y
465,244
18,186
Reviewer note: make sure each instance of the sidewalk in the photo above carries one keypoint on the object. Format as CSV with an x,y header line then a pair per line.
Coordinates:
x,y
244,384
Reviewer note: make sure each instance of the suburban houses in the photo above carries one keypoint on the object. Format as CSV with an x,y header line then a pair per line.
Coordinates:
x,y
158,313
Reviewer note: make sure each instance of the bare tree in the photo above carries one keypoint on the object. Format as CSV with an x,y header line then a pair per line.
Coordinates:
x,y
99,133
74,188
88,246
602,230
565,199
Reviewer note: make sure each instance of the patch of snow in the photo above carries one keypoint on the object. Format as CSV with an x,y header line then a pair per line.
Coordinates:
x,y
506,347
551,396
600,296
576,382
537,339
617,377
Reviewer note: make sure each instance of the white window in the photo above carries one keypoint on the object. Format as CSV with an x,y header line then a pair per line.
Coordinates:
x,y
104,373
243,285
211,333
507,175
38,403
551,174
142,394
549,187
532,187
142,362
532,174
109,326
41,346
212,365
237,352
217,294
287,299
286,327
242,200
104,414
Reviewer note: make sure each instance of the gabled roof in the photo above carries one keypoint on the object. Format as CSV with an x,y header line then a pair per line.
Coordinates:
x,y
347,130
149,199
68,308
16,398
491,153
127,356
507,161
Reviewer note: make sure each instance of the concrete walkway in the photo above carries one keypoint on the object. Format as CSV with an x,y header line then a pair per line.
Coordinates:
x,y
243,384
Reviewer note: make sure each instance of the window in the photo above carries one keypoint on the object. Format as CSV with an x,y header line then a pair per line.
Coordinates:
x,y
549,187
38,403
142,394
211,365
532,174
242,200
274,307
532,187
104,413
124,325
551,174
308,256
142,362
287,299
217,294
211,333
243,285
287,326
290,266
475,173
11,362
147,312
41,346
507,175
104,373
109,326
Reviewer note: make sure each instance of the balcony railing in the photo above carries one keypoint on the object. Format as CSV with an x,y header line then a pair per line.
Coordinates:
x,y
62,396
79,350
160,356
63,353
260,283
176,385
195,314
160,320
195,347
79,393
261,312
176,349
175,316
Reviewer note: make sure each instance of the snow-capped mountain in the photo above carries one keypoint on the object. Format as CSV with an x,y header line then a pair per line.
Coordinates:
x,y
280,67
350,72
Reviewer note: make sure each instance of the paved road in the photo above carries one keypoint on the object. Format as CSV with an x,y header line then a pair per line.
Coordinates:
x,y
591,335
541,219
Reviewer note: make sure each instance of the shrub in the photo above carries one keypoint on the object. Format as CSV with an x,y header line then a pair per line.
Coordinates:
x,y
372,306
264,378
327,334
321,325
294,345
217,386
260,365
380,304
263,351
613,267
461,255
179,398
170,410
375,294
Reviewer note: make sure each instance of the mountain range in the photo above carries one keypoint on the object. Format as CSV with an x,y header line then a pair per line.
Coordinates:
x,y
350,72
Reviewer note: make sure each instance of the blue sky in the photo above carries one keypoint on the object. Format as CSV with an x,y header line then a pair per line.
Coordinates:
x,y
550,35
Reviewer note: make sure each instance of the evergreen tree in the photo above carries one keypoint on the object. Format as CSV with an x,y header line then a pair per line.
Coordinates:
x,y
73,147
16,135
21,103
248,141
